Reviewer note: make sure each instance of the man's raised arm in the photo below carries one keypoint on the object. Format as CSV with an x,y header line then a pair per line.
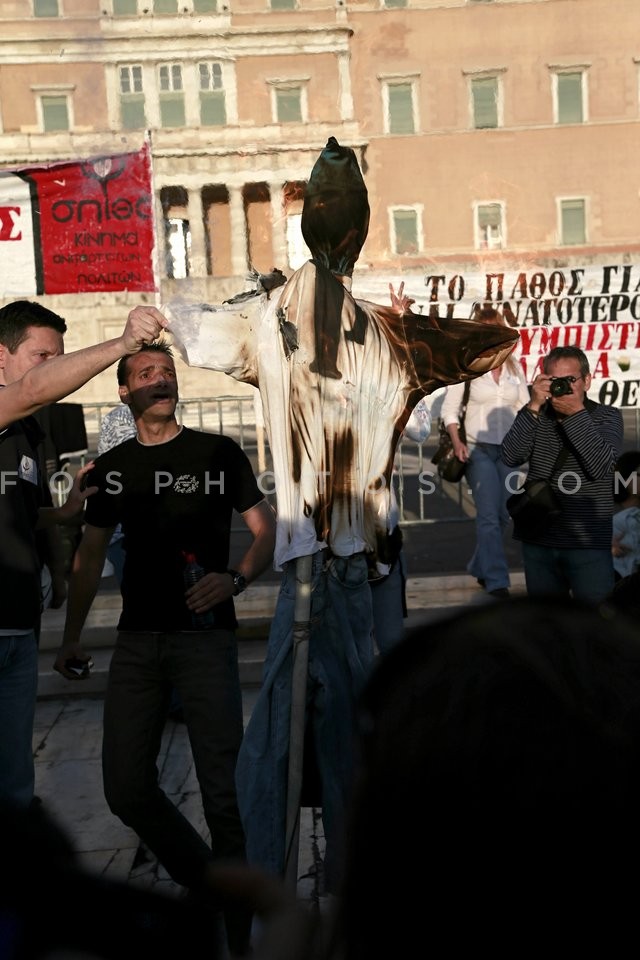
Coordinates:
x,y
60,376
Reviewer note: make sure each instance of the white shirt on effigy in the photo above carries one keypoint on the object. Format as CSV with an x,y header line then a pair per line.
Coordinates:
x,y
308,415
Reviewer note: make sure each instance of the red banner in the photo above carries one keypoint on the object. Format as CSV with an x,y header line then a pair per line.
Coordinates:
x,y
77,227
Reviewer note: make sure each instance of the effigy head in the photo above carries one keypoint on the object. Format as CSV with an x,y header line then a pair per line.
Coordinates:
x,y
335,215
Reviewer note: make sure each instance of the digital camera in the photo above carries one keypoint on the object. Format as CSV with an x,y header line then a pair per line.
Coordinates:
x,y
560,386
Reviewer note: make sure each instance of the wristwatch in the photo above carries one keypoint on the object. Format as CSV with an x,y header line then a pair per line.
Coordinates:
x,y
239,581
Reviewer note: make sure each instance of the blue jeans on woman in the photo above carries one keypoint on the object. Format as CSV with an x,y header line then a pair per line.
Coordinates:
x,y
486,475
18,691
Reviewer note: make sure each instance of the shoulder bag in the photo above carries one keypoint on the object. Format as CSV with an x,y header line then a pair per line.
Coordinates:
x,y
535,503
448,466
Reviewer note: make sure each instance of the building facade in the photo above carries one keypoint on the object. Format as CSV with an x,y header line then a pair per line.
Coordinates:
x,y
493,134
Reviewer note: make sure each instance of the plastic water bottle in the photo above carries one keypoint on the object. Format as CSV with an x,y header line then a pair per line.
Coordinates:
x,y
192,573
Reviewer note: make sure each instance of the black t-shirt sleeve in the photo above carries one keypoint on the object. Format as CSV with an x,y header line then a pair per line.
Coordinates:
x,y
246,493
102,509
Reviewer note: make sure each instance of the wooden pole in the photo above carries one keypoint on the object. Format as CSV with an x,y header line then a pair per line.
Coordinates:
x,y
301,631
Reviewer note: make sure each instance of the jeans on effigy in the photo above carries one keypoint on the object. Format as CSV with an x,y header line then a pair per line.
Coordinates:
x,y
340,658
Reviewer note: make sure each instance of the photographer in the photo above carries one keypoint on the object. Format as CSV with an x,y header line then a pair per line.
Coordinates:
x,y
570,552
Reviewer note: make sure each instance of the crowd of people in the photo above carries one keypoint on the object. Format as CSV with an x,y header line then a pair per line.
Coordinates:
x,y
149,489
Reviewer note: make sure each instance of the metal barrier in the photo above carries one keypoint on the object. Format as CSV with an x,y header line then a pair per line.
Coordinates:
x,y
416,481
234,416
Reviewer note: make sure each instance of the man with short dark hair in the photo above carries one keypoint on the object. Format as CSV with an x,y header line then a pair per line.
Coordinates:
x,y
174,491
573,442
33,372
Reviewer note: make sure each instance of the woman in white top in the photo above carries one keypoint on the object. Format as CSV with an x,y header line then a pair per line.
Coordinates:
x,y
494,400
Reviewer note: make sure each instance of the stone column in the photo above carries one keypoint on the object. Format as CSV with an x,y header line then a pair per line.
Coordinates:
x,y
239,265
198,253
278,227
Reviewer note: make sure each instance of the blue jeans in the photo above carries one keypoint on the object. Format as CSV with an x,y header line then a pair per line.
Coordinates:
x,y
340,657
18,691
583,574
486,475
387,596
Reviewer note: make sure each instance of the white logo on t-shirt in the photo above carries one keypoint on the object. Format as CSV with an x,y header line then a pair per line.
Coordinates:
x,y
186,483
28,469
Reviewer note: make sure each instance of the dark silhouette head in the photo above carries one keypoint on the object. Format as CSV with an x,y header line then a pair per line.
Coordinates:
x,y
498,772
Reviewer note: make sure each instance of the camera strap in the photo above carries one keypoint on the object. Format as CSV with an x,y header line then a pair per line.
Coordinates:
x,y
560,459
589,406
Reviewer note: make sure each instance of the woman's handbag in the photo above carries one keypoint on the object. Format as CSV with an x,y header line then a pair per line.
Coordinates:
x,y
448,466
535,503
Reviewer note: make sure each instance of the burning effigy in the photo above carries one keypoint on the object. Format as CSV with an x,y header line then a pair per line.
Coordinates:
x,y
338,378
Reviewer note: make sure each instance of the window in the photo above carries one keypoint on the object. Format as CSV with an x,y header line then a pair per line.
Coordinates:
x,y
405,231
55,113
205,6
283,4
45,8
171,95
399,107
394,3
570,97
484,98
125,8
212,103
489,229
573,222
289,100
288,104
132,113
165,6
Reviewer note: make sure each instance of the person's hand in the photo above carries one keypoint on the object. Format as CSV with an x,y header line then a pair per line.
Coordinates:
x,y
72,662
567,404
618,549
213,588
460,451
144,325
540,391
400,303
74,504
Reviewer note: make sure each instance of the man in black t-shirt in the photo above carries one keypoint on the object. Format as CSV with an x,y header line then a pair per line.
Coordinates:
x,y
173,490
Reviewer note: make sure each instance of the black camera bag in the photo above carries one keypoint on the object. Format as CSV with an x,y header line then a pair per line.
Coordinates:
x,y
535,503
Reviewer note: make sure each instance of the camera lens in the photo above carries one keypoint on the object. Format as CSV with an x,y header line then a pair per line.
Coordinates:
x,y
560,386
